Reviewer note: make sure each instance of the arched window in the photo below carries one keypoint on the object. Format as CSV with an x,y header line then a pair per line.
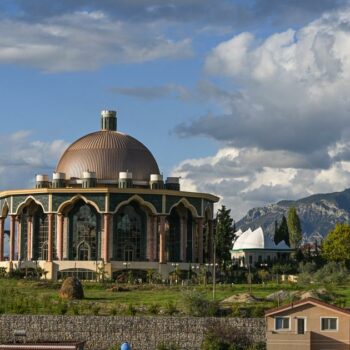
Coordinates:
x,y
40,234
129,239
44,251
24,234
173,236
84,232
84,251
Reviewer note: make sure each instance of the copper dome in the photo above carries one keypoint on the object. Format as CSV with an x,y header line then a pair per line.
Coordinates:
x,y
107,153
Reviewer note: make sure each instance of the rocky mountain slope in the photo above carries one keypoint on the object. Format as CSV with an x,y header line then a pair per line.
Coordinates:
x,y
318,214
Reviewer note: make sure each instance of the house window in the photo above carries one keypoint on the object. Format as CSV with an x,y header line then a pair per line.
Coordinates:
x,y
329,324
281,323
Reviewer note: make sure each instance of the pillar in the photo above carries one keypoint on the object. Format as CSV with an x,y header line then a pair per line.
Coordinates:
x,y
30,238
200,239
12,236
149,235
19,238
106,235
162,258
155,237
183,240
2,237
211,240
50,218
60,218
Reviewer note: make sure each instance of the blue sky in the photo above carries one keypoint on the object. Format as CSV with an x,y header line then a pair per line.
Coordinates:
x,y
244,99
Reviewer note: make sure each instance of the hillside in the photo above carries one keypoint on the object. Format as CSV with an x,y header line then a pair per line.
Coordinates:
x,y
318,214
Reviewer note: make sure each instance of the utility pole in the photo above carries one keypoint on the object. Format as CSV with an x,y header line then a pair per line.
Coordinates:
x,y
214,270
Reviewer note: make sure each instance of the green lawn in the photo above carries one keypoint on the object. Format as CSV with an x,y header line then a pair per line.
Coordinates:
x,y
40,297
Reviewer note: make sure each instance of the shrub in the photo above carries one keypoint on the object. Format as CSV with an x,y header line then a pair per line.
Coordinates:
x,y
170,308
131,310
222,336
95,309
62,308
153,309
196,304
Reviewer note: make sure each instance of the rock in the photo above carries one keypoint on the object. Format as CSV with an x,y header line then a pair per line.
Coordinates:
x,y
281,295
240,298
71,289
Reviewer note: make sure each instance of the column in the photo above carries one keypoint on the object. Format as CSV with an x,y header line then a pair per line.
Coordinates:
x,y
106,234
200,240
149,235
211,240
60,218
12,236
155,237
194,241
162,258
50,218
2,237
30,238
19,238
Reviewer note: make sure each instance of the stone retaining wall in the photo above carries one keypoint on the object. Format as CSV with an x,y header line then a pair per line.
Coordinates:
x,y
100,333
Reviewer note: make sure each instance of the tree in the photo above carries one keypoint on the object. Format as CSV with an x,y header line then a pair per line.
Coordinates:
x,y
294,228
336,246
224,234
282,232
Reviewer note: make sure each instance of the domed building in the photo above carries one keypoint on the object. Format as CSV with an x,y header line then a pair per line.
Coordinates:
x,y
253,248
106,207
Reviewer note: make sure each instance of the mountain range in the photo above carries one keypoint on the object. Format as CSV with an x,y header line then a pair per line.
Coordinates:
x,y
318,214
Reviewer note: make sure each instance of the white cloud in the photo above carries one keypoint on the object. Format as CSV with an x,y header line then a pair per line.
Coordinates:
x,y
21,158
243,182
285,126
84,41
288,92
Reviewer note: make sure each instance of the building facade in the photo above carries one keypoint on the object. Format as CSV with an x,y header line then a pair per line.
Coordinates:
x,y
308,324
106,205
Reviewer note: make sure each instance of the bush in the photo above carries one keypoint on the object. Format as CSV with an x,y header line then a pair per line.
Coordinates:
x,y
131,310
196,304
170,308
167,346
221,336
153,309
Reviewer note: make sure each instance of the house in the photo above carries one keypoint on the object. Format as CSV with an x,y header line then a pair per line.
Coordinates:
x,y
254,248
308,324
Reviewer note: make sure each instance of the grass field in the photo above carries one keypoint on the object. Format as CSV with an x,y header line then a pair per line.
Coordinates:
x,y
41,297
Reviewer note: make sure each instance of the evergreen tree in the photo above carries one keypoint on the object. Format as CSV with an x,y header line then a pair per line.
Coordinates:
x,y
294,228
276,236
282,232
224,234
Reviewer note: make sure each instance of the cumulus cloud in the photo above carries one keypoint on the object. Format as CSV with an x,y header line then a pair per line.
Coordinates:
x,y
285,116
21,158
247,178
83,41
290,89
